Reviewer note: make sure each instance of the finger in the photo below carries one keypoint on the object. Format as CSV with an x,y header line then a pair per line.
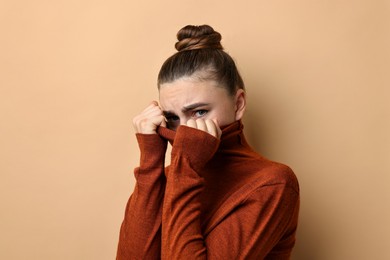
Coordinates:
x,y
148,120
145,116
151,106
157,120
219,131
151,111
148,125
201,125
211,127
163,122
191,123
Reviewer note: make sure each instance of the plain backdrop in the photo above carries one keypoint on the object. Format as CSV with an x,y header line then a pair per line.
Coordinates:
x,y
74,73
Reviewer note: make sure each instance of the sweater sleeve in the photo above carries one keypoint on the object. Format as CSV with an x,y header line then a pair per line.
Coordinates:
x,y
140,233
181,232
262,221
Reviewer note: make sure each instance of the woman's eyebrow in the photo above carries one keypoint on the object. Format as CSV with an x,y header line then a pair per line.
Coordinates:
x,y
193,106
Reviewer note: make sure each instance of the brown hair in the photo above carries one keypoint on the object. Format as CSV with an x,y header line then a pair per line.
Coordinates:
x,y
200,51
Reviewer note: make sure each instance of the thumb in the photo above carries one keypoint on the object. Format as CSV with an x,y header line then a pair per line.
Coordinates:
x,y
163,123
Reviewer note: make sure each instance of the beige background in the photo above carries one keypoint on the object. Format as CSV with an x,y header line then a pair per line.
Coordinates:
x,y
74,73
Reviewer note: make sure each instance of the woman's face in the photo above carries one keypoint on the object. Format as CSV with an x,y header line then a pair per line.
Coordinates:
x,y
188,98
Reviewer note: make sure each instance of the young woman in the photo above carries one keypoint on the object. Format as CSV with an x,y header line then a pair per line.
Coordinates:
x,y
218,199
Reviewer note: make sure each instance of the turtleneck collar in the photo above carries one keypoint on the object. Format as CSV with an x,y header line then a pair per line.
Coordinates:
x,y
231,134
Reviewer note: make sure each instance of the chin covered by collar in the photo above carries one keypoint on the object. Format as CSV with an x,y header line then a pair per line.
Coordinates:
x,y
228,131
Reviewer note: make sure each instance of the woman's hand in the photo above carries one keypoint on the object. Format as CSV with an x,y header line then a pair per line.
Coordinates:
x,y
208,126
149,119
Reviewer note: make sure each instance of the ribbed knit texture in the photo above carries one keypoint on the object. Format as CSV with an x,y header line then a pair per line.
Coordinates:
x,y
218,199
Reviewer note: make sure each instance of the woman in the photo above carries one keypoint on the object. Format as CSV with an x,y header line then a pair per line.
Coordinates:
x,y
218,199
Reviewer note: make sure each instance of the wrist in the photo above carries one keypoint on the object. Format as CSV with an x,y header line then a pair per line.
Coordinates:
x,y
152,148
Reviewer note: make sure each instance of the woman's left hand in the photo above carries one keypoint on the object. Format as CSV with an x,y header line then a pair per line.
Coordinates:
x,y
208,126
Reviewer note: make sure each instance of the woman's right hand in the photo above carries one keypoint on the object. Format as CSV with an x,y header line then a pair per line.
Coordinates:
x,y
149,119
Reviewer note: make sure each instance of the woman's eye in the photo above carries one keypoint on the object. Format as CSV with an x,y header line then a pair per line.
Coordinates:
x,y
200,113
172,122
172,118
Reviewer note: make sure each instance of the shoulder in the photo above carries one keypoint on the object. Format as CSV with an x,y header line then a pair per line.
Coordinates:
x,y
274,174
265,172
278,173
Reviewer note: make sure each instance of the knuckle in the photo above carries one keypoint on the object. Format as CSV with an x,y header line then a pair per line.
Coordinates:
x,y
135,120
143,122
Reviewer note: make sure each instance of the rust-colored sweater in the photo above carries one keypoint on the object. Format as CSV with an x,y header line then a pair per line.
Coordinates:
x,y
218,199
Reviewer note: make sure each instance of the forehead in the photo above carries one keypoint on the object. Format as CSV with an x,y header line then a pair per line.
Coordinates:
x,y
186,91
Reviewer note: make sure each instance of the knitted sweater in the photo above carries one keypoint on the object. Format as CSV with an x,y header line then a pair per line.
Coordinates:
x,y
218,199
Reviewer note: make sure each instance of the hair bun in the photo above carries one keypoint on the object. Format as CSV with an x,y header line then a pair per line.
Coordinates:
x,y
193,37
